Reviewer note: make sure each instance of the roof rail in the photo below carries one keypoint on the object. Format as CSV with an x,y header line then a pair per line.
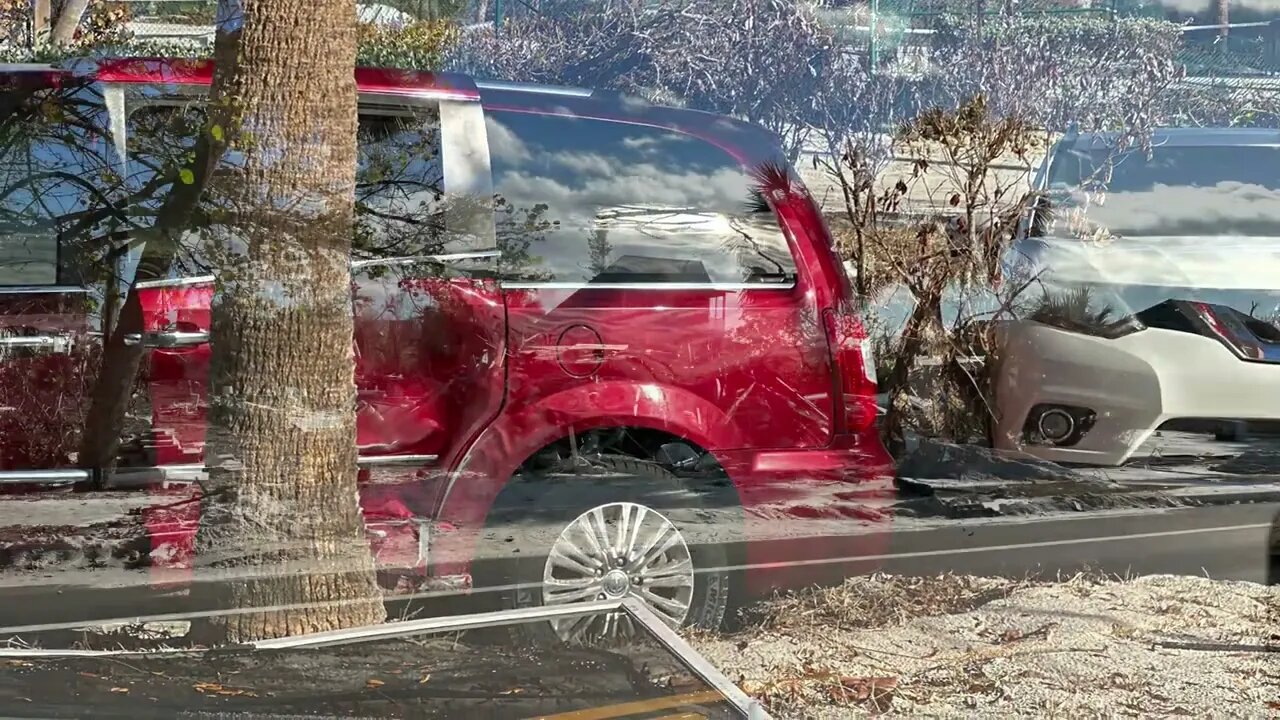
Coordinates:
x,y
25,67
532,88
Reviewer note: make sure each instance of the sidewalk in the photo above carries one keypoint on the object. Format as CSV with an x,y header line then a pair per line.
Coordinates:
x,y
957,646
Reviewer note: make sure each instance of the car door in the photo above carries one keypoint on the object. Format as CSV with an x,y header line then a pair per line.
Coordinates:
x,y
430,329
58,274
638,256
429,323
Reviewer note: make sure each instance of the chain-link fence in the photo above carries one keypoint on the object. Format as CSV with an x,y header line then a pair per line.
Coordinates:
x,y
896,35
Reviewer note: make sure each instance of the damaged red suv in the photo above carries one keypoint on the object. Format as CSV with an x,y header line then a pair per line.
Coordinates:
x,y
603,348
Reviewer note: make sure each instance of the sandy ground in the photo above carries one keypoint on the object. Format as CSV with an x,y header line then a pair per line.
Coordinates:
x,y
977,647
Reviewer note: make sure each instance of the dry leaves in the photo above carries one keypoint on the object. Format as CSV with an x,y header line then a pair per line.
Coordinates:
x,y
877,692
207,688
1016,634
874,693
883,600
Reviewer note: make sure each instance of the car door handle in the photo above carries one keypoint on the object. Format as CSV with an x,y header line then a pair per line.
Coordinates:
x,y
169,338
48,343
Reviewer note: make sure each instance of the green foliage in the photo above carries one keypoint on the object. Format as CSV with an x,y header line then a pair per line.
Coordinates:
x,y
419,46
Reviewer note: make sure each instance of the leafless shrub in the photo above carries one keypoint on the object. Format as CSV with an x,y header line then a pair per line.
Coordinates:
x,y
1093,73
982,118
760,60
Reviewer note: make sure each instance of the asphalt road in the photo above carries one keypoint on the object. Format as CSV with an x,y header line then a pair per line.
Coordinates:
x,y
1227,542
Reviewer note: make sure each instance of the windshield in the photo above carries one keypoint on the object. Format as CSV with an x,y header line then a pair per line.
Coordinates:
x,y
1174,190
642,359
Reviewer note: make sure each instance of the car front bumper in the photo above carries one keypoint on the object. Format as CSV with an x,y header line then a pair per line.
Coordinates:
x,y
1134,384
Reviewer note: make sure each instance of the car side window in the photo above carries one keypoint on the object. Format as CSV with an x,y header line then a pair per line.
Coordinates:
x,y
582,200
399,198
399,184
58,183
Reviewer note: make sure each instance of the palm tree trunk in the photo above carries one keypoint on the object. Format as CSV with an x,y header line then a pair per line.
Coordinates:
x,y
41,19
64,29
282,520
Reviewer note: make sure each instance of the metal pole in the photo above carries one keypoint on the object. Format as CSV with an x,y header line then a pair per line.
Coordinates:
x,y
497,13
1273,45
874,50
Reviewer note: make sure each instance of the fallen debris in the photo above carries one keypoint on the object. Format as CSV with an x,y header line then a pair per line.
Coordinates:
x,y
959,646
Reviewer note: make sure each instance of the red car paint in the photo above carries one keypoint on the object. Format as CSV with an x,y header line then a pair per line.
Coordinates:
x,y
770,380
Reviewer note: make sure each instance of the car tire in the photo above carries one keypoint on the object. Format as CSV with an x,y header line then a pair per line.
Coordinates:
x,y
540,513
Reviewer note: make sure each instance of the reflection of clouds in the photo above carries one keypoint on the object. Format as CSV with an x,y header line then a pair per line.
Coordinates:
x,y
661,223
680,210
584,162
640,142
576,199
504,145
619,192
1202,262
1183,210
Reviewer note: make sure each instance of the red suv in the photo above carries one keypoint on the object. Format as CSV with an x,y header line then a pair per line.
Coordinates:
x,y
601,345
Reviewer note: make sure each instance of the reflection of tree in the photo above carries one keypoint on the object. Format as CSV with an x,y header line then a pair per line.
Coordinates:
x,y
60,186
399,188
56,175
770,178
598,250
1072,308
518,228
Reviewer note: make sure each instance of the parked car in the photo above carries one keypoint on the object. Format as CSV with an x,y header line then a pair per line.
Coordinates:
x,y
570,307
1153,295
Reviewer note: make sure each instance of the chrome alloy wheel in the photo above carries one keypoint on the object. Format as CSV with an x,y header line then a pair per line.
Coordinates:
x,y
614,551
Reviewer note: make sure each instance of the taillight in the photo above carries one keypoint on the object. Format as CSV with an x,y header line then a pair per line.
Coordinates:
x,y
854,387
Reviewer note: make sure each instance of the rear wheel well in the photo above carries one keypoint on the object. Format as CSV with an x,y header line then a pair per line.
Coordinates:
x,y
681,456
696,468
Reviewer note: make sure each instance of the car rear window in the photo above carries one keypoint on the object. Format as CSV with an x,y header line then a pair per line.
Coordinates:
x,y
582,200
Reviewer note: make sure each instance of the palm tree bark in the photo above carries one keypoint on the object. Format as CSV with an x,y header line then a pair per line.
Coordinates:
x,y
281,524
64,29
41,18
